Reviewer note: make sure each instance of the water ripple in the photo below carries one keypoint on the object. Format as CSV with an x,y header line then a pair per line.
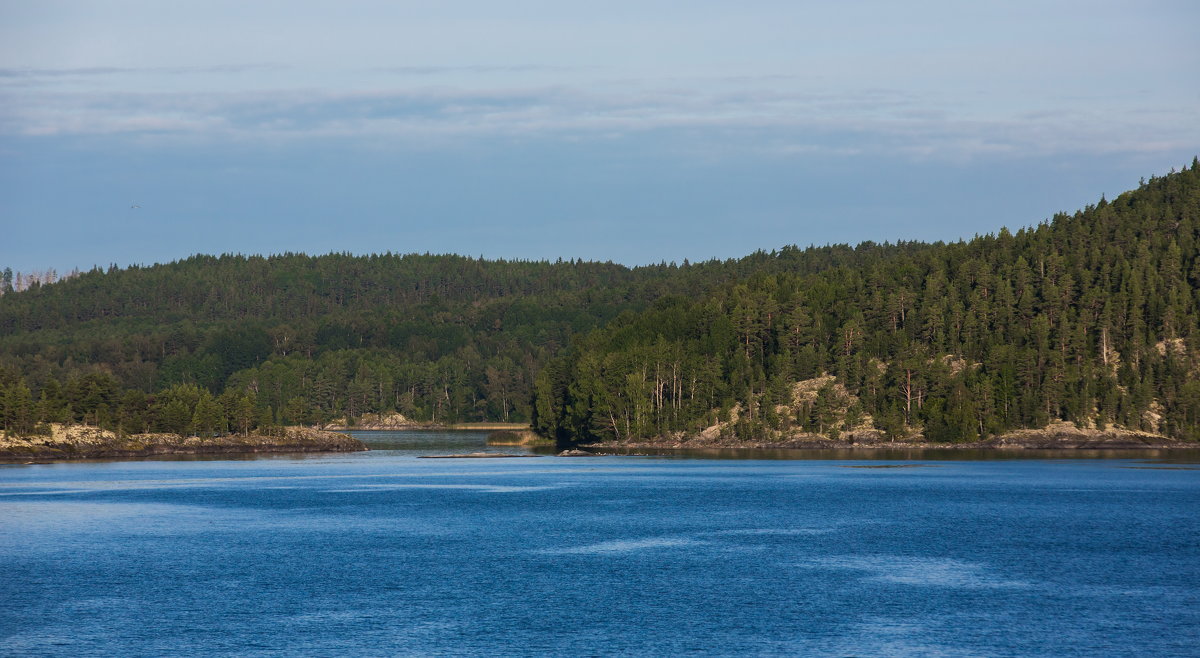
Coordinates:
x,y
623,546
919,571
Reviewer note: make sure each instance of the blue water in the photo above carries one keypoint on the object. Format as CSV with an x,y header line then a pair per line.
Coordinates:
x,y
382,553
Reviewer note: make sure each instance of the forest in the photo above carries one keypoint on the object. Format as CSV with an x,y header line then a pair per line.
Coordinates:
x,y
307,339
1089,317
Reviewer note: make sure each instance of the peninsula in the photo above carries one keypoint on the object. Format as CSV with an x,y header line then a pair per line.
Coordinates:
x,y
80,442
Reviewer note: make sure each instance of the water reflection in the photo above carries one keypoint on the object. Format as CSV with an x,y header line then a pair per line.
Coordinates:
x,y
1180,456
427,442
382,553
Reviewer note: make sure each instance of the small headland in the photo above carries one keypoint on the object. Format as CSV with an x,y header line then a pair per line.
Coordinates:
x,y
517,437
69,442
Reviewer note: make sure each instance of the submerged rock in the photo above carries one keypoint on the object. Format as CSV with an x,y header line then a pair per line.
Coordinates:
x,y
577,453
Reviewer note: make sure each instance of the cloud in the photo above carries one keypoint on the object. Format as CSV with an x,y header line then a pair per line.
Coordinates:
x,y
748,116
45,76
478,69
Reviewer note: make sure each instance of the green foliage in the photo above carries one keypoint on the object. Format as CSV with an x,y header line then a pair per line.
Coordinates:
x,y
1092,318
301,302
433,337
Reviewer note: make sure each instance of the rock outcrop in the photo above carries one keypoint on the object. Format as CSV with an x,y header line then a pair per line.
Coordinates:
x,y
1058,435
1068,436
392,421
80,442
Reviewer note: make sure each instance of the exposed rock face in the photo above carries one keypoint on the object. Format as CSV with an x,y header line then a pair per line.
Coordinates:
x,y
393,421
824,391
76,442
825,405
1063,435
1055,436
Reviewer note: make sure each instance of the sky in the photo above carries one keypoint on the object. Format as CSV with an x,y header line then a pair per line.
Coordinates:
x,y
635,132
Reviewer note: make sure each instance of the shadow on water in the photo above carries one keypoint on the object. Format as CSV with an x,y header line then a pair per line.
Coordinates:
x,y
408,442
476,441
440,441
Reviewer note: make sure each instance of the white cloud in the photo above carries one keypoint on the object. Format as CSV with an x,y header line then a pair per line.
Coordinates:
x,y
747,116
32,73
933,78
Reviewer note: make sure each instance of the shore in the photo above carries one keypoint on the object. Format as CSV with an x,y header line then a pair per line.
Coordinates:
x,y
79,442
399,423
1057,436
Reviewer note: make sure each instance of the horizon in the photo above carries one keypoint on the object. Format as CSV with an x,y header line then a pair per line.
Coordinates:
x,y
59,275
144,133
53,274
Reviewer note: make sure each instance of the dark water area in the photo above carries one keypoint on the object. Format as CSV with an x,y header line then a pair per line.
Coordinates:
x,y
383,553
434,442
1175,456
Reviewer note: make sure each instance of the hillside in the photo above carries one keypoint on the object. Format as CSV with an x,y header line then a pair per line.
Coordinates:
x,y
1090,318
306,339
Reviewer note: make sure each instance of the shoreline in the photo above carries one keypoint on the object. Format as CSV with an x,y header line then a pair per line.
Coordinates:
x,y
1060,436
867,447
428,427
82,443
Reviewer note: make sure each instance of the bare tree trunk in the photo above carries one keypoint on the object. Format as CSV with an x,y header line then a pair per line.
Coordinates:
x,y
907,389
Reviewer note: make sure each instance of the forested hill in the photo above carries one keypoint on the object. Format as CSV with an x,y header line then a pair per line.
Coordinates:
x,y
1090,318
307,339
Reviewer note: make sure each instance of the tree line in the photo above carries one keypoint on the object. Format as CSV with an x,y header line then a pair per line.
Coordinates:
x,y
315,338
99,400
1090,317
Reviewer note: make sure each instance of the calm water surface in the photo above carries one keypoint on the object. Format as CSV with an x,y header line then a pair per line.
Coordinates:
x,y
382,553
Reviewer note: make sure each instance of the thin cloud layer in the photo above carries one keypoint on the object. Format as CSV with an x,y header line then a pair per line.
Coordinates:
x,y
551,129
37,74
934,78
763,119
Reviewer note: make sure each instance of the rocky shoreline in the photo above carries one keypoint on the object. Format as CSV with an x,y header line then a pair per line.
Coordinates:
x,y
77,442
393,421
399,423
1057,436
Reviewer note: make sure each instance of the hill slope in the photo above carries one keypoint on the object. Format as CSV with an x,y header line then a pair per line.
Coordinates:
x,y
308,339
1090,318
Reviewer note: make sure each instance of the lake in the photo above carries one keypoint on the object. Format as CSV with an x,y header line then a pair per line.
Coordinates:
x,y
383,553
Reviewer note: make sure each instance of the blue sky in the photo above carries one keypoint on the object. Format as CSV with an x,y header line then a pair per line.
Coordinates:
x,y
626,131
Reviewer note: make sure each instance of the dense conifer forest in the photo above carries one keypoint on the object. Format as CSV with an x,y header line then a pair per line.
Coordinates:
x,y
250,341
1091,317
